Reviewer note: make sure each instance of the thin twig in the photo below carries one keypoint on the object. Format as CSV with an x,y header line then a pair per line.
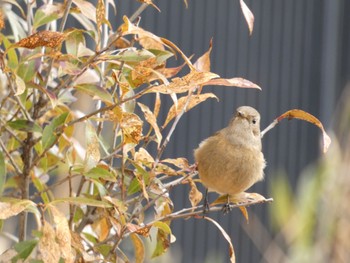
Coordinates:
x,y
13,162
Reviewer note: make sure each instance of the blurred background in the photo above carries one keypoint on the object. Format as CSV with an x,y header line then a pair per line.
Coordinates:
x,y
299,55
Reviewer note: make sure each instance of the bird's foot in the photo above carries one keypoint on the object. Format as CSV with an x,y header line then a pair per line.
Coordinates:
x,y
226,208
206,206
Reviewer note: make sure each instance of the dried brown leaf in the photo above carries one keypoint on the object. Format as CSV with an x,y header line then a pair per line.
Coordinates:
x,y
234,82
179,162
143,157
48,247
195,196
92,156
131,125
157,104
226,236
194,101
42,39
150,43
10,207
2,20
149,2
63,236
203,63
248,15
100,14
152,120
302,115
181,85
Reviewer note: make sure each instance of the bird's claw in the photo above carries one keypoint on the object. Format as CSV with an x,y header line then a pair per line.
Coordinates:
x,y
226,208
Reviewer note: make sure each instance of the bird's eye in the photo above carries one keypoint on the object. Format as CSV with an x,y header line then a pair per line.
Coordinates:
x,y
254,121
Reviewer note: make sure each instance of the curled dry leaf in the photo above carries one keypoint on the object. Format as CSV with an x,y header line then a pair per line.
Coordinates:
x,y
182,163
42,39
149,2
203,63
131,125
248,15
226,236
194,101
10,207
63,236
233,82
302,115
195,196
143,157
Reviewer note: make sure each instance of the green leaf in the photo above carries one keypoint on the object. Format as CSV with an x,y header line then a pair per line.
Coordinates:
x,y
24,249
2,172
25,125
134,187
82,201
42,18
134,55
162,55
26,70
11,53
164,226
73,40
40,187
49,135
94,90
100,173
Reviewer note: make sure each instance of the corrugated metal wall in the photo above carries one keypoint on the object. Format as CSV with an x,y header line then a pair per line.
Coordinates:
x,y
296,54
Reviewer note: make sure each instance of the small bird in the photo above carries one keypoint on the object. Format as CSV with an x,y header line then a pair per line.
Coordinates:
x,y
231,161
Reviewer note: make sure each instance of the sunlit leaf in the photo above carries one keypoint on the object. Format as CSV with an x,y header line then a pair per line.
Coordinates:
x,y
131,125
47,13
138,248
82,201
25,125
42,39
248,15
179,162
101,228
186,83
11,207
234,82
152,120
92,155
87,9
96,91
194,100
20,85
101,173
48,247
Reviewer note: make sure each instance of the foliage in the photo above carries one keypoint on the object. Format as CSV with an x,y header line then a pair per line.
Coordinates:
x,y
117,189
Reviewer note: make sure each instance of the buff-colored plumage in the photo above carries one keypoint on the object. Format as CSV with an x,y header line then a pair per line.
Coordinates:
x,y
231,161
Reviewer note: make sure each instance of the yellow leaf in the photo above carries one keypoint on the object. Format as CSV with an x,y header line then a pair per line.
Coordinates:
x,y
101,227
194,101
152,120
143,157
100,14
149,2
131,125
248,15
138,248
